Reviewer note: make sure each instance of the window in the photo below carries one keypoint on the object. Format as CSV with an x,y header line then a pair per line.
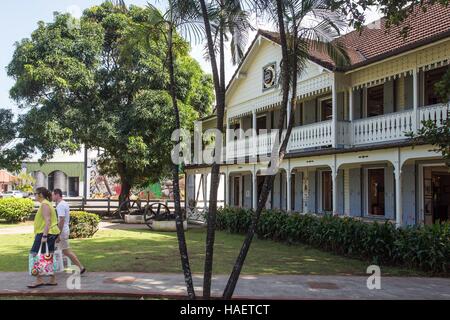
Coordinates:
x,y
236,191
375,101
292,192
74,182
326,109
431,78
261,123
327,191
376,192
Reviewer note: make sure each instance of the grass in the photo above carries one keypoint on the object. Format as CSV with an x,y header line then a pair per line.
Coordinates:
x,y
148,251
4,224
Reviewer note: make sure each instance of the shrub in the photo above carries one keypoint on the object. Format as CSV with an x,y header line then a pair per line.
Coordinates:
x,y
83,224
15,209
424,247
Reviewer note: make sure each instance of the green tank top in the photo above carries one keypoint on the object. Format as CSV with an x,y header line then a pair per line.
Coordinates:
x,y
39,222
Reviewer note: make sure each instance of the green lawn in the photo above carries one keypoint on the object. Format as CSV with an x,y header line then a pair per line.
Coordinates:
x,y
3,224
147,251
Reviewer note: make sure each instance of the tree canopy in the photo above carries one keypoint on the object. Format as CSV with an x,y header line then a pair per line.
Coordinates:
x,y
89,82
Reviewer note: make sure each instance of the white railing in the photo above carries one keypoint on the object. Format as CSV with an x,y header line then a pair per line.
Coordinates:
x,y
344,133
311,135
384,128
437,113
387,127
265,143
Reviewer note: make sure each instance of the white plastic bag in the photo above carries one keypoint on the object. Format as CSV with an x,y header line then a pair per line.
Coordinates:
x,y
59,262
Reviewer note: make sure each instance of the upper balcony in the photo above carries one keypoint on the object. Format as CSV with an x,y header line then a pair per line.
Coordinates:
x,y
345,116
378,129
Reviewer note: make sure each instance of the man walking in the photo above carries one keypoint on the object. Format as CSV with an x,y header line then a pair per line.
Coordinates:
x,y
63,211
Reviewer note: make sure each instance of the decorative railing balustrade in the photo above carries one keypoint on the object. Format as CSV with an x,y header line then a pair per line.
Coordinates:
x,y
385,128
311,136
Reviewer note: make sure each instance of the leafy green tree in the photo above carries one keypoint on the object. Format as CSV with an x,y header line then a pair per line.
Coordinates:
x,y
25,182
8,131
87,85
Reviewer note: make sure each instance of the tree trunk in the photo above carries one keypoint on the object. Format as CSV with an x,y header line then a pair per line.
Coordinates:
x,y
124,191
176,183
219,86
268,181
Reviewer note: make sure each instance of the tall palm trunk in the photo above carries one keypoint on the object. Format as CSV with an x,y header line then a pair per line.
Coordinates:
x,y
269,179
215,170
176,184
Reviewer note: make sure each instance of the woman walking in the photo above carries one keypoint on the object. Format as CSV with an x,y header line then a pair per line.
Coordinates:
x,y
45,230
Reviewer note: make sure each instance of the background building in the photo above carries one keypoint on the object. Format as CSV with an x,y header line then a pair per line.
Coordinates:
x,y
64,171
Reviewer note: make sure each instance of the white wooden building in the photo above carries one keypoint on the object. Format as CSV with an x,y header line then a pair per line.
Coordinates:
x,y
348,153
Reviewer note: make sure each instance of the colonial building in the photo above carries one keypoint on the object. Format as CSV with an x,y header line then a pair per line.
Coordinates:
x,y
348,152
64,171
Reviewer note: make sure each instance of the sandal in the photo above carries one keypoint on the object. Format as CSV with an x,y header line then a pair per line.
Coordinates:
x,y
35,285
51,284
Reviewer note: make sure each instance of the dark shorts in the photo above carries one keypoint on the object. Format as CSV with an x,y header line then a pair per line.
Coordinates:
x,y
51,239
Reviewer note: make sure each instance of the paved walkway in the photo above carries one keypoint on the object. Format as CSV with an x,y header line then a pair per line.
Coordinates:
x,y
256,287
102,226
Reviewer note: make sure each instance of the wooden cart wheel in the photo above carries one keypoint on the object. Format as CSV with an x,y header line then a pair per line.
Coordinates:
x,y
155,211
132,207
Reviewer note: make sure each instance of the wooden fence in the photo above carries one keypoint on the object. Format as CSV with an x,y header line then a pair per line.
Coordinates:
x,y
106,207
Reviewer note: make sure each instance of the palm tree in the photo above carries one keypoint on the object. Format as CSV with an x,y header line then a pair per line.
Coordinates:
x,y
296,40
163,26
223,20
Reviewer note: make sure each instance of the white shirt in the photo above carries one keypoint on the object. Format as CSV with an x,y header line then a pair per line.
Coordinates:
x,y
63,211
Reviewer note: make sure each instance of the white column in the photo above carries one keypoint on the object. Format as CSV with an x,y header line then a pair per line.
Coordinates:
x,y
416,100
227,189
254,190
334,173
398,195
288,111
198,142
334,106
205,189
350,104
305,190
288,191
254,134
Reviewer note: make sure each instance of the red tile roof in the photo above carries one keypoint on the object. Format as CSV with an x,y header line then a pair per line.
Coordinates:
x,y
375,42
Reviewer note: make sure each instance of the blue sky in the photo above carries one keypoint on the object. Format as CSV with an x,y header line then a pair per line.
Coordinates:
x,y
18,19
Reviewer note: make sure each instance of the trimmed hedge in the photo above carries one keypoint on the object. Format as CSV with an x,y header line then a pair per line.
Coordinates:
x,y
423,247
83,224
15,209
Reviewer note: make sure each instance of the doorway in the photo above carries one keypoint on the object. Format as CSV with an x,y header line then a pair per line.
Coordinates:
x,y
436,196
236,191
74,183
441,197
327,191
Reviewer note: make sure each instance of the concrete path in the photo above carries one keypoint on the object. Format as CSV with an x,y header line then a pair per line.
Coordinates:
x,y
102,226
249,287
